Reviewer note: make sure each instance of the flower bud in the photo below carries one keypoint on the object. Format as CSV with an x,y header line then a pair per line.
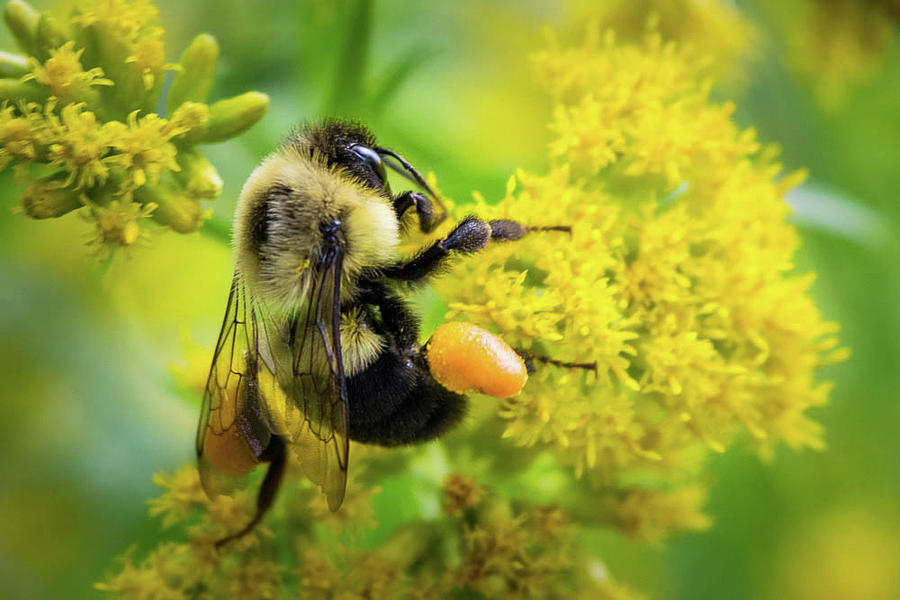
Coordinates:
x,y
104,47
48,36
198,176
233,116
12,65
191,119
198,64
22,20
15,90
174,208
43,201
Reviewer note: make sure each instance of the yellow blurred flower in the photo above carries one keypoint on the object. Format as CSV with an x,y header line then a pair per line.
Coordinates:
x,y
460,494
125,19
713,33
848,552
652,515
835,45
117,223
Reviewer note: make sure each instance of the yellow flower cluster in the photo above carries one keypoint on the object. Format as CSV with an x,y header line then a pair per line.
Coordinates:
x,y
713,32
77,119
676,281
488,549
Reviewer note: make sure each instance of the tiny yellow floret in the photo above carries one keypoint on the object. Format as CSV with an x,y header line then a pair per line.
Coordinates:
x,y
463,358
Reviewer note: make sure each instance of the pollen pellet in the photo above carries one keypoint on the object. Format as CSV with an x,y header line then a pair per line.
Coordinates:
x,y
463,358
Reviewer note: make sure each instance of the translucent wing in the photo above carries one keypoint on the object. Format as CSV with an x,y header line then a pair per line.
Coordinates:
x,y
317,387
284,375
309,407
234,430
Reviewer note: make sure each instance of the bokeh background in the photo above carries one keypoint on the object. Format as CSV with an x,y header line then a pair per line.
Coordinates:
x,y
90,353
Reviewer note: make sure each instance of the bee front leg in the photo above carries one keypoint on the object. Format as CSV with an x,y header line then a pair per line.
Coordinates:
x,y
428,220
470,235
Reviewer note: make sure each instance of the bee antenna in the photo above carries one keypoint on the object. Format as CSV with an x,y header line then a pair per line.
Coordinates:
x,y
407,169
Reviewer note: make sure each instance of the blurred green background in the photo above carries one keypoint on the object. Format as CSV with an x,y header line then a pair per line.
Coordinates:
x,y
91,409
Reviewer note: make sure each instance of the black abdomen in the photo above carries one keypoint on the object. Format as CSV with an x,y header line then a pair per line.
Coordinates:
x,y
396,401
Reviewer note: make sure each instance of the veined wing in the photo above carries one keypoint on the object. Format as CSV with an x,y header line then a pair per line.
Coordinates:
x,y
234,430
311,409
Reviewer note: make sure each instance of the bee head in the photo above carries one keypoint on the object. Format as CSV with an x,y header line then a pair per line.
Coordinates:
x,y
324,188
348,145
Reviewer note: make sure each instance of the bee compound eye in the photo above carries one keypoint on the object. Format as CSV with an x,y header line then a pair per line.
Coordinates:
x,y
372,158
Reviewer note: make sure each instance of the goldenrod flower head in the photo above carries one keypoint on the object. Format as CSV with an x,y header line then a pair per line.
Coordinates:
x,y
460,494
125,19
144,149
87,110
149,56
78,143
713,32
498,551
22,132
117,223
653,514
64,76
677,279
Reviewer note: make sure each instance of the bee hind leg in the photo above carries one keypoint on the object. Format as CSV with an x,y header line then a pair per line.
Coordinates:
x,y
529,358
276,454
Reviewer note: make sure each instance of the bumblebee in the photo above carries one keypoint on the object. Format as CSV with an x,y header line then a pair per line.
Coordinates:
x,y
318,346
